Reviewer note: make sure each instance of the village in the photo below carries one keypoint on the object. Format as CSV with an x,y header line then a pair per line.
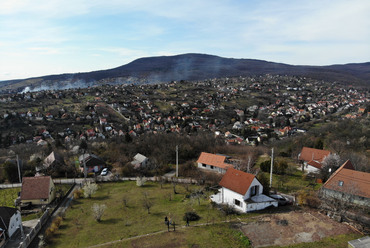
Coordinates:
x,y
242,110
213,137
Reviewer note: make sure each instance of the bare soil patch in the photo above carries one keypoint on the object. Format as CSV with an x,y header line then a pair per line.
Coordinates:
x,y
294,227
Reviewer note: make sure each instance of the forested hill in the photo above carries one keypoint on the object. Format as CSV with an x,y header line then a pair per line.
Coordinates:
x,y
192,67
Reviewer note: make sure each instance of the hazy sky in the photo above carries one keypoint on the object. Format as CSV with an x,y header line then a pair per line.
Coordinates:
x,y
41,37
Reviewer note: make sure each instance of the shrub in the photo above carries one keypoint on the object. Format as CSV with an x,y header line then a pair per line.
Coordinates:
x,y
191,216
265,166
77,194
98,211
140,181
89,189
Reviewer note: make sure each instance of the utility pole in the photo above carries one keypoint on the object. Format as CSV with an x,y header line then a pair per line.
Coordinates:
x,y
19,170
85,171
272,165
177,161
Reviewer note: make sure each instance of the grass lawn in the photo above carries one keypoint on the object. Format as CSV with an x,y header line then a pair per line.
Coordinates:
x,y
218,235
8,196
293,182
79,229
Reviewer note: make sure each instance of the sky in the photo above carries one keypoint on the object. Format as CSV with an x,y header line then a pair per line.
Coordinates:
x,y
43,37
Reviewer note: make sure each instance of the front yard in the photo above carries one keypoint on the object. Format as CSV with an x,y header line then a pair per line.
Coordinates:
x,y
132,226
79,228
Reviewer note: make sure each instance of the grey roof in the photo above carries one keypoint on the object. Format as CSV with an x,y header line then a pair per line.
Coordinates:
x,y
139,157
363,242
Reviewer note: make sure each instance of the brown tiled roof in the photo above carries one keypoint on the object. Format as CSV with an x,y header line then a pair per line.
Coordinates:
x,y
35,188
308,154
213,159
354,182
237,181
315,164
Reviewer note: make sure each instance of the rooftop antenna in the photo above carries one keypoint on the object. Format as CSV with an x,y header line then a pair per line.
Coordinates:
x,y
19,170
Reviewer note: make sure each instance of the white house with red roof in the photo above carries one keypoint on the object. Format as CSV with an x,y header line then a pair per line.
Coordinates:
x,y
312,159
213,162
242,191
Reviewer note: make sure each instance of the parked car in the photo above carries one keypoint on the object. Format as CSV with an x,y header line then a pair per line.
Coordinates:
x,y
282,201
104,172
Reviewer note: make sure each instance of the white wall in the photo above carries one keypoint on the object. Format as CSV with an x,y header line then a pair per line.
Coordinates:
x,y
311,169
208,167
15,223
229,196
260,205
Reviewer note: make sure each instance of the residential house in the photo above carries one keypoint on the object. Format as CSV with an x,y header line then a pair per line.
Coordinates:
x,y
347,184
54,159
93,163
312,159
37,190
242,191
213,162
10,223
140,161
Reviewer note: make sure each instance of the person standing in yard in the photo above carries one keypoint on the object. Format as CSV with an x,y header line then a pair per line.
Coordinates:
x,y
167,222
187,221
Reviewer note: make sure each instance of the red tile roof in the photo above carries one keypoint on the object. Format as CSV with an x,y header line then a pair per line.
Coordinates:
x,y
308,154
213,159
237,181
315,164
353,182
35,188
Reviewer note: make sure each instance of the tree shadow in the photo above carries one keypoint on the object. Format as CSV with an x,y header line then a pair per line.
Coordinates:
x,y
101,198
110,221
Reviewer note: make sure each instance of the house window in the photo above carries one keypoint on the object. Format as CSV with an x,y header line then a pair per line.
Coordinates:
x,y
254,190
340,183
212,167
204,165
237,203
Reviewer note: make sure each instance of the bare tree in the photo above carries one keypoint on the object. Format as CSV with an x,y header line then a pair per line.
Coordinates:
x,y
125,201
98,211
89,189
147,203
174,183
140,181
330,164
197,195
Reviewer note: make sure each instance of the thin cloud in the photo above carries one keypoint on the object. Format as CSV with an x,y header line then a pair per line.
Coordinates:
x,y
101,34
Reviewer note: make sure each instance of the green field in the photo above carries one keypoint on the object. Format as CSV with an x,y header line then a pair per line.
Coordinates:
x,y
8,196
79,229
